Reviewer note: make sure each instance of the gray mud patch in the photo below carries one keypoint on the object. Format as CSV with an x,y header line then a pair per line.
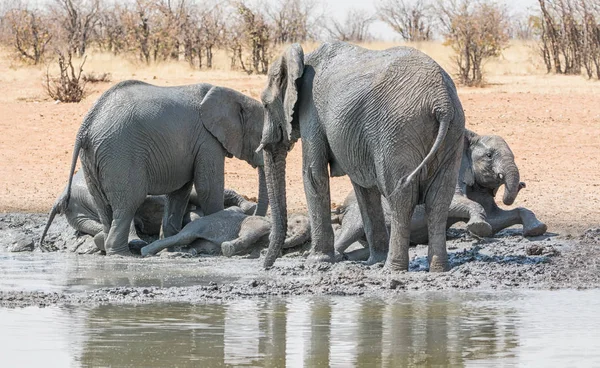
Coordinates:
x,y
506,261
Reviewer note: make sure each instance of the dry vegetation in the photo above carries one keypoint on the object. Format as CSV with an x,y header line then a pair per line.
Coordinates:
x,y
552,121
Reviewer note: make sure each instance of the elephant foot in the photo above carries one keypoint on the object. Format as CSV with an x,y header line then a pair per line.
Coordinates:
x,y
99,241
227,249
397,265
479,228
535,229
136,245
376,257
436,264
121,252
319,257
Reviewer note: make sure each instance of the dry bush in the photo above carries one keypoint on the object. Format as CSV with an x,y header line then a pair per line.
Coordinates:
x,y
251,34
96,77
78,19
476,31
355,27
569,32
28,33
411,19
68,86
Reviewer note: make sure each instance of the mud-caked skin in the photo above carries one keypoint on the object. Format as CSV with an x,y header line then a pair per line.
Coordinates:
x,y
390,119
81,212
139,139
487,163
233,232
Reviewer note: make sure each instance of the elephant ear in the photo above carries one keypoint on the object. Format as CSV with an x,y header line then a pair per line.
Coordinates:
x,y
283,76
466,176
222,115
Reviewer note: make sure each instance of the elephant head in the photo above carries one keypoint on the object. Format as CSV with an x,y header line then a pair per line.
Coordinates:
x,y
235,120
280,131
489,162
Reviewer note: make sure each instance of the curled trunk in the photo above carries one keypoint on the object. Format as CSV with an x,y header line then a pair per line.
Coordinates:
x,y
263,197
275,175
511,184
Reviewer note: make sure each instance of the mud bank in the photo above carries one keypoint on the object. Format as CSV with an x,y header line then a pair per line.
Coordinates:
x,y
507,261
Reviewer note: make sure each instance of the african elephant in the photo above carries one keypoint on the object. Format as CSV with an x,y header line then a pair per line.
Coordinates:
x,y
391,120
487,163
141,139
81,212
233,232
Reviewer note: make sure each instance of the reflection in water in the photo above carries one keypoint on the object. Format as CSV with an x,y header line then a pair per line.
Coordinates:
x,y
429,329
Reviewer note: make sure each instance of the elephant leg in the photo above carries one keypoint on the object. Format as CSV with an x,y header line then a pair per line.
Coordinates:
x,y
89,226
209,182
471,212
117,239
316,188
253,228
402,204
352,230
175,205
501,219
437,203
187,235
133,239
369,203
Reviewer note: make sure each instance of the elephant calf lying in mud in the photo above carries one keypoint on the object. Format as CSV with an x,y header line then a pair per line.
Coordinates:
x,y
487,163
231,232
81,212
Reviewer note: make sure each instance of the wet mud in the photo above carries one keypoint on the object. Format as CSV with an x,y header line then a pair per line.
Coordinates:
x,y
504,262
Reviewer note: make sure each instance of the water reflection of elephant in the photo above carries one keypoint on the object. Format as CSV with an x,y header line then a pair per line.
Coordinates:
x,y
334,332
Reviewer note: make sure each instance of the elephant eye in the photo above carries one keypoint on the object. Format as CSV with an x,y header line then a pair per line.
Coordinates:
x,y
489,154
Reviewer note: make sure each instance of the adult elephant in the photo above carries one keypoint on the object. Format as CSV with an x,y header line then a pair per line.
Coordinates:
x,y
141,139
391,120
487,164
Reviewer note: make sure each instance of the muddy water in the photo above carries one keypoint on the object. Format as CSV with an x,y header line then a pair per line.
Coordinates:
x,y
526,328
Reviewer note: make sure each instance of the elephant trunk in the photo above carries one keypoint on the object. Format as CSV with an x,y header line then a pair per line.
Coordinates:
x,y
511,183
263,197
275,175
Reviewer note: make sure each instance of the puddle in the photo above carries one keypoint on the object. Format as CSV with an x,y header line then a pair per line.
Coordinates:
x,y
525,328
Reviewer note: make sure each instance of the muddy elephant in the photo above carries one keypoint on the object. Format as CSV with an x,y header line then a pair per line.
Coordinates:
x,y
81,212
231,232
139,139
391,120
487,163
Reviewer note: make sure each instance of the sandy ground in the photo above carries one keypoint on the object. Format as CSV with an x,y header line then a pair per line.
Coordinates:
x,y
551,122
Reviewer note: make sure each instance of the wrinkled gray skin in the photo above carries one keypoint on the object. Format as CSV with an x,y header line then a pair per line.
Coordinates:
x,y
231,232
391,120
139,140
81,212
487,163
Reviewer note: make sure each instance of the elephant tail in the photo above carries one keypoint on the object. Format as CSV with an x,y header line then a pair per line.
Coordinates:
x,y
56,209
62,202
444,121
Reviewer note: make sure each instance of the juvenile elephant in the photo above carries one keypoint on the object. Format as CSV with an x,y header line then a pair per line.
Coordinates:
x,y
391,120
487,163
139,139
81,212
232,232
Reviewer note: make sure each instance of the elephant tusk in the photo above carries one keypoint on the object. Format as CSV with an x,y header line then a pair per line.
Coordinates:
x,y
260,148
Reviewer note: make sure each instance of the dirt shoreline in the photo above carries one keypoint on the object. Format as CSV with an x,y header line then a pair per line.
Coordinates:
x,y
505,262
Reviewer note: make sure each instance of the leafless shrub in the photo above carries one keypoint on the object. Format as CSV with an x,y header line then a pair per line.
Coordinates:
x,y
411,19
251,35
28,33
68,86
293,20
569,32
96,77
355,27
476,31
77,18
